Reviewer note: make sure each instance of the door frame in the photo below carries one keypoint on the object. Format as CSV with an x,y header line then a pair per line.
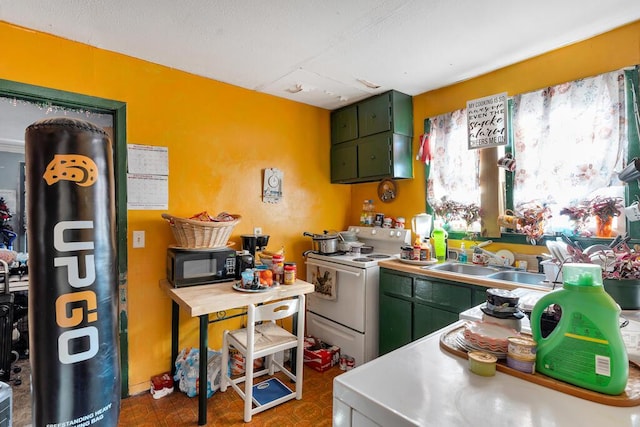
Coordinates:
x,y
43,95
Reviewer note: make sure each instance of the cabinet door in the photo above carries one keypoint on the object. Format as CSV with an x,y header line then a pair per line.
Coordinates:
x,y
344,162
427,319
449,296
344,124
374,115
479,295
394,320
374,155
394,323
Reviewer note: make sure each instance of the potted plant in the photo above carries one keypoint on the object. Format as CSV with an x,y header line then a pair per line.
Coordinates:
x,y
447,210
6,231
621,277
533,220
604,209
578,214
470,214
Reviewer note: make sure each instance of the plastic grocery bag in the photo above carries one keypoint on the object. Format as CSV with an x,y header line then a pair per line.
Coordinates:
x,y
187,370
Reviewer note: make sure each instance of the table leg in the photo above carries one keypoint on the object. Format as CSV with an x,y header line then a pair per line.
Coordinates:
x,y
204,355
294,355
175,332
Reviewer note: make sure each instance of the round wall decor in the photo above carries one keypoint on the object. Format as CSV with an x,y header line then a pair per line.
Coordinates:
x,y
387,190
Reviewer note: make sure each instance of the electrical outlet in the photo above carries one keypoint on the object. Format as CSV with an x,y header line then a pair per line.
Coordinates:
x,y
138,239
257,230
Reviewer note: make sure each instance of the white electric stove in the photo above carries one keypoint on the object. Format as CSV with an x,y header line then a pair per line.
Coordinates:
x,y
344,309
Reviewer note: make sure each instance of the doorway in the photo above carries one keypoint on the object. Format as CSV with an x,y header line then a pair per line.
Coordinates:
x,y
51,98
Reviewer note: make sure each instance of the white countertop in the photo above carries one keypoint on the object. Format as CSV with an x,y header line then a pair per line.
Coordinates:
x,y
422,385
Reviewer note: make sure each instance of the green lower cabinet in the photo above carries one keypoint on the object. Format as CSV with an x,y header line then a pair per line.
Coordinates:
x,y
395,323
413,306
427,319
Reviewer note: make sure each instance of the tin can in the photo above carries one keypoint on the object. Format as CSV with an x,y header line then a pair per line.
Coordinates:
x,y
343,362
522,347
351,363
406,252
290,272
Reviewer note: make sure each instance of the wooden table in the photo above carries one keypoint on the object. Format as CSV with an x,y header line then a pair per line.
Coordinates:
x,y
200,301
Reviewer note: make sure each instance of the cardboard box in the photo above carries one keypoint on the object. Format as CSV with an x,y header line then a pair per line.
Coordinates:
x,y
319,355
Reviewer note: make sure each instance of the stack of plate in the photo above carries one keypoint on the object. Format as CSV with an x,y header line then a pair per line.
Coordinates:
x,y
487,337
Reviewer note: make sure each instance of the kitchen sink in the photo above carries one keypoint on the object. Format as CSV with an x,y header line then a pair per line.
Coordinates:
x,y
518,277
468,269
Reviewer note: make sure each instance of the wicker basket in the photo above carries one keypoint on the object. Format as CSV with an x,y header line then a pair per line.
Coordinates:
x,y
190,233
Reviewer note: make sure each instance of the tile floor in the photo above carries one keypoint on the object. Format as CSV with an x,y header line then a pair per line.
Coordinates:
x,y
223,409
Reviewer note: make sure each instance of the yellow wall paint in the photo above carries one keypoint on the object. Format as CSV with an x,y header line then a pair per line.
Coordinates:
x,y
615,49
220,139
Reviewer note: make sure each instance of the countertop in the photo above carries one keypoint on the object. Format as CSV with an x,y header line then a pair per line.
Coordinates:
x,y
455,277
422,385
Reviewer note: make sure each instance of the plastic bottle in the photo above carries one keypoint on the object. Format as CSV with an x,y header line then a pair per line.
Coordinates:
x,y
365,212
463,254
425,250
371,213
439,236
586,346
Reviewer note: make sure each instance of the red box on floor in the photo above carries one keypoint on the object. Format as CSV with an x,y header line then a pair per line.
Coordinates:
x,y
320,356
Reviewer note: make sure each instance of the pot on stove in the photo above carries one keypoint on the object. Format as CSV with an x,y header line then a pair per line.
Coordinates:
x,y
326,243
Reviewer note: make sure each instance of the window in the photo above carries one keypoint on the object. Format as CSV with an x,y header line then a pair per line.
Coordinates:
x,y
453,181
569,142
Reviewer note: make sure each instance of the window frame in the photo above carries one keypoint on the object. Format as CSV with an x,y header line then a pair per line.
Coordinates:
x,y
632,189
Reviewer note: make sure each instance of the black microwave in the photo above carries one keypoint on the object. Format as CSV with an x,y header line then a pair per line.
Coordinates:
x,y
188,267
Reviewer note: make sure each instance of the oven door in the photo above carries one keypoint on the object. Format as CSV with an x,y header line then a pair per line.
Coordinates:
x,y
340,293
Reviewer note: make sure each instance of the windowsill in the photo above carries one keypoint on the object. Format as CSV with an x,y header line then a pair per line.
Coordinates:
x,y
521,239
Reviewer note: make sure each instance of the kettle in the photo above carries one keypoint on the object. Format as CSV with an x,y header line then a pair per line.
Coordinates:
x,y
421,225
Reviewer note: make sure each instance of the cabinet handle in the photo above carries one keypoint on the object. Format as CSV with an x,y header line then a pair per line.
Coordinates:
x,y
373,116
373,157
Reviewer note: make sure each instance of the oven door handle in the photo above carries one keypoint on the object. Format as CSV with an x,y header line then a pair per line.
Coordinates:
x,y
341,268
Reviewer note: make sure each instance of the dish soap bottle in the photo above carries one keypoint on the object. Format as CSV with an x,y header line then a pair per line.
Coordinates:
x,y
586,346
463,254
439,236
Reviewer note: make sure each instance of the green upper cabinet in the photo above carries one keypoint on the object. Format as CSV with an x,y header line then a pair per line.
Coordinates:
x,y
371,140
390,111
344,124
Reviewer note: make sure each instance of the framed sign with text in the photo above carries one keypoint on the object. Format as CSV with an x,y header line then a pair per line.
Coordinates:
x,y
487,121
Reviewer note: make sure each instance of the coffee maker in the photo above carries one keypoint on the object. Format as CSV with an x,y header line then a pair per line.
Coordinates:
x,y
254,242
246,258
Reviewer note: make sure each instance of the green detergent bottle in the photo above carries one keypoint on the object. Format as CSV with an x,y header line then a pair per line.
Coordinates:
x,y
586,347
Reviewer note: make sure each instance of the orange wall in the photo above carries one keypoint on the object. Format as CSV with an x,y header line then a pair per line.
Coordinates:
x,y
616,49
220,138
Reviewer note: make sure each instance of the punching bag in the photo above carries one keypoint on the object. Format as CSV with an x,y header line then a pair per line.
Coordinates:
x,y
73,284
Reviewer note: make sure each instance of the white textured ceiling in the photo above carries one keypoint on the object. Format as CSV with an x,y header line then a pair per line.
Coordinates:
x,y
320,52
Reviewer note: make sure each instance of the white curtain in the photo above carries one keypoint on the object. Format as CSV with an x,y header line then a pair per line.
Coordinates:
x,y
570,141
454,171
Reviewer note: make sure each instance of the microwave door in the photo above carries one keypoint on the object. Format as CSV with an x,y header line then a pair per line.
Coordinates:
x,y
199,268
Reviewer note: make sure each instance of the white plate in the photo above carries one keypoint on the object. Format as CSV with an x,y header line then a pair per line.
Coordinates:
x,y
506,254
417,262
466,345
237,287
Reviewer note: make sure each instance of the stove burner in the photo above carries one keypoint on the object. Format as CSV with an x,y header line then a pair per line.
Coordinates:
x,y
337,253
366,259
378,256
